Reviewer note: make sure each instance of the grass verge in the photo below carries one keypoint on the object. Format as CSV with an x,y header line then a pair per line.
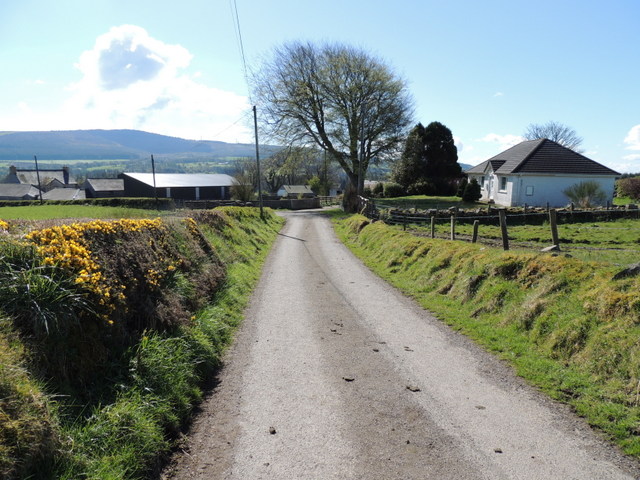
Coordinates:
x,y
564,324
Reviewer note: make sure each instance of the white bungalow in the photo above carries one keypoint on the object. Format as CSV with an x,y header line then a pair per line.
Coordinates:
x,y
536,172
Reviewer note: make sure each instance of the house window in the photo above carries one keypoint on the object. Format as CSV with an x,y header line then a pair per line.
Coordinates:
x,y
482,182
529,191
503,184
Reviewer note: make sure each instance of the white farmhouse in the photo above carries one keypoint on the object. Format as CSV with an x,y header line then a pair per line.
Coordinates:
x,y
536,172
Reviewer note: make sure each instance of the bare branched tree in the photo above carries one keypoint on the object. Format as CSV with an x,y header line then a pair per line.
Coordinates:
x,y
555,131
337,98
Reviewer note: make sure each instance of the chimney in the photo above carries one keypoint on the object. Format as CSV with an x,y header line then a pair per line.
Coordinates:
x,y
13,170
65,175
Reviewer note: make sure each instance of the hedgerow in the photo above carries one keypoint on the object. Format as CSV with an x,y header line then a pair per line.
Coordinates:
x,y
112,319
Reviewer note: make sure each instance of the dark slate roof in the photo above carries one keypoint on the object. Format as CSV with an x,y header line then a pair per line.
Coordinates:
x,y
31,176
16,191
176,180
542,156
297,190
106,184
64,194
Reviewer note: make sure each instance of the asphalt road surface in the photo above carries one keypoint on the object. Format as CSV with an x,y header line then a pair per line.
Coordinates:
x,y
335,375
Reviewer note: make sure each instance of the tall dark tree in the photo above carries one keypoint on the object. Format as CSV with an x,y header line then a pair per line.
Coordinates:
x,y
555,131
429,163
335,97
412,164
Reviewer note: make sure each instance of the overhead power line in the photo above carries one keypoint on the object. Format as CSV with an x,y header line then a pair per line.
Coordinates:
x,y
236,23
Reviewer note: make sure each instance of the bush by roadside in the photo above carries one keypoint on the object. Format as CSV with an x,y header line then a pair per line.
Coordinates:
x,y
113,376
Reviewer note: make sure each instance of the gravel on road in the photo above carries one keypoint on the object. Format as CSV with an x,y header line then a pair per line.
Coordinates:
x,y
335,375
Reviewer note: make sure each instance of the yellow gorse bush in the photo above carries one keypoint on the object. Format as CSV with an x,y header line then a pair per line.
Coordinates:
x,y
4,225
68,246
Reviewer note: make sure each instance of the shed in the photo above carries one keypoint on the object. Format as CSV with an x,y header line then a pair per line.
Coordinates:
x,y
64,194
181,186
296,191
104,187
12,191
536,172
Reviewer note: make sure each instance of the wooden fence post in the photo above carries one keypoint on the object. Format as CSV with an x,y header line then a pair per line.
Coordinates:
x,y
453,227
476,224
502,214
553,221
433,226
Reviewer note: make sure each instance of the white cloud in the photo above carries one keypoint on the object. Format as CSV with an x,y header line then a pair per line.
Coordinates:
x,y
505,141
630,164
633,138
132,80
24,108
498,94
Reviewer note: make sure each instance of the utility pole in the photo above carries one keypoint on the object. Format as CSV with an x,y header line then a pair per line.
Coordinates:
x,y
255,124
362,143
153,170
38,177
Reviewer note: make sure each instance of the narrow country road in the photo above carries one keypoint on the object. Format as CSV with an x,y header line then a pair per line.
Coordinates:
x,y
335,375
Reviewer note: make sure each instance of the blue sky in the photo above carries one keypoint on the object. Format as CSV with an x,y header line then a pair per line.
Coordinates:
x,y
485,69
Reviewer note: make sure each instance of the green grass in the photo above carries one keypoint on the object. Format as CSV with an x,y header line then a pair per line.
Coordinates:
x,y
616,242
423,202
624,200
564,324
47,212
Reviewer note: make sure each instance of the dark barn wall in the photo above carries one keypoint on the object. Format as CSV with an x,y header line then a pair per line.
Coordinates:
x,y
135,188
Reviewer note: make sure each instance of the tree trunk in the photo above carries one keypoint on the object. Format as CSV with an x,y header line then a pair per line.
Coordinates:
x,y
350,197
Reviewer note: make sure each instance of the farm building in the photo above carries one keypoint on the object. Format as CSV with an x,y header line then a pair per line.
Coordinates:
x,y
67,193
296,191
49,179
104,187
181,186
536,172
12,191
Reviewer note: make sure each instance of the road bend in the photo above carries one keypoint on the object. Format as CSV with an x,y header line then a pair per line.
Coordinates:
x,y
336,375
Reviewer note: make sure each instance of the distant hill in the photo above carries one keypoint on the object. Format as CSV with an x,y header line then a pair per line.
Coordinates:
x,y
113,144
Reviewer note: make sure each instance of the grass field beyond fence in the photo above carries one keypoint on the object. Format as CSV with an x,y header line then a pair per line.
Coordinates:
x,y
615,242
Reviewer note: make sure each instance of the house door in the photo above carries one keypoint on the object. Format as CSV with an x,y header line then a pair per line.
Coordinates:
x,y
490,192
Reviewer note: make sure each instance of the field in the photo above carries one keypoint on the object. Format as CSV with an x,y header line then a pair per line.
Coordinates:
x,y
423,202
43,212
616,242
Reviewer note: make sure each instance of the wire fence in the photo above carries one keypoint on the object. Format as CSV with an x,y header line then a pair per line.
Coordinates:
x,y
558,229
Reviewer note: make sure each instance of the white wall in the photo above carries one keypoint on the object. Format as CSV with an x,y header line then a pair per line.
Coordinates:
x,y
543,189
549,189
